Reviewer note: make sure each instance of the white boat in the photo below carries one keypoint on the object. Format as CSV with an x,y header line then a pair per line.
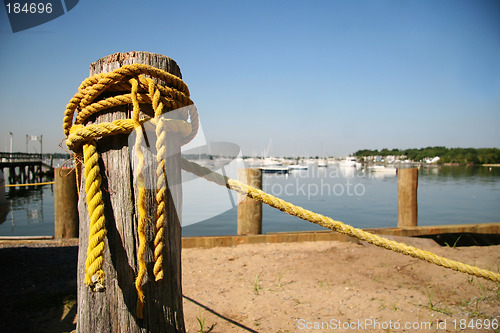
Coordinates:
x,y
349,161
274,169
298,167
381,168
270,161
322,163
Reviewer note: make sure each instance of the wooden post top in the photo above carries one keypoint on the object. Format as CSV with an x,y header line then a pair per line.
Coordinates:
x,y
116,60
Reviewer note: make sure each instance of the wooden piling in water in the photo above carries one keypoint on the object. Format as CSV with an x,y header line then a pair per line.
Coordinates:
x,y
407,197
65,203
249,210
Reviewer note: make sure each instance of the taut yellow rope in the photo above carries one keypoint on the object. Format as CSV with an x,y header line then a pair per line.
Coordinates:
x,y
30,184
334,225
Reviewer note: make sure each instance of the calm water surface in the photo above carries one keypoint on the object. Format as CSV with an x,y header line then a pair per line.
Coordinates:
x,y
446,195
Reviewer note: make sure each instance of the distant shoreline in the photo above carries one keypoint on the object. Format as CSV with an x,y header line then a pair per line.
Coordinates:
x,y
491,165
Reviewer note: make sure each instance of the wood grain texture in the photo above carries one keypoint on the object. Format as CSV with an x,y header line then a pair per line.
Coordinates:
x,y
407,198
249,210
65,204
115,309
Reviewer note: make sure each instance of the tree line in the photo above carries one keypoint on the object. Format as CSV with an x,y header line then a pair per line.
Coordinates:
x,y
447,155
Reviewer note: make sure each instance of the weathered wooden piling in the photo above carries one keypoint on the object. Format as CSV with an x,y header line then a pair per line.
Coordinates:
x,y
65,203
114,309
407,197
249,210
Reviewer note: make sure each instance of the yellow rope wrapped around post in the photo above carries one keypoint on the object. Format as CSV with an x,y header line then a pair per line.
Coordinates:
x,y
83,139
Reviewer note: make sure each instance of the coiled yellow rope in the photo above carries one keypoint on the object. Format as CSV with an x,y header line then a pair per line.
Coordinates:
x,y
334,225
95,85
82,139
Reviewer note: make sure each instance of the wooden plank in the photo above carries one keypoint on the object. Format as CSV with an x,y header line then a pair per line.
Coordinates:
x,y
17,238
310,236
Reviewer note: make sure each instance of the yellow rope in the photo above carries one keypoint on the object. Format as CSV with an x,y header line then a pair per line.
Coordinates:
x,y
95,85
94,275
129,85
161,184
80,134
334,225
31,184
141,201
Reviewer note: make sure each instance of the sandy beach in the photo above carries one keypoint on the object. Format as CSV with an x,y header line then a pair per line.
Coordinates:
x,y
289,287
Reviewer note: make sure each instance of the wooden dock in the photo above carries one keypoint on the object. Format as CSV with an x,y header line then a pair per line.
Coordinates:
x,y
293,237
23,167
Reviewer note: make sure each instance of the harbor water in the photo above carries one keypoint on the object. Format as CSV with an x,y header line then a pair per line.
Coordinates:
x,y
359,197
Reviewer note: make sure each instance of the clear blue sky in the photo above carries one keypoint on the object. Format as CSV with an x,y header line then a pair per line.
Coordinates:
x,y
342,75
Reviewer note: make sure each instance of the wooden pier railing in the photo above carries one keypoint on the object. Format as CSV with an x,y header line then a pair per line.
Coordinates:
x,y
23,167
